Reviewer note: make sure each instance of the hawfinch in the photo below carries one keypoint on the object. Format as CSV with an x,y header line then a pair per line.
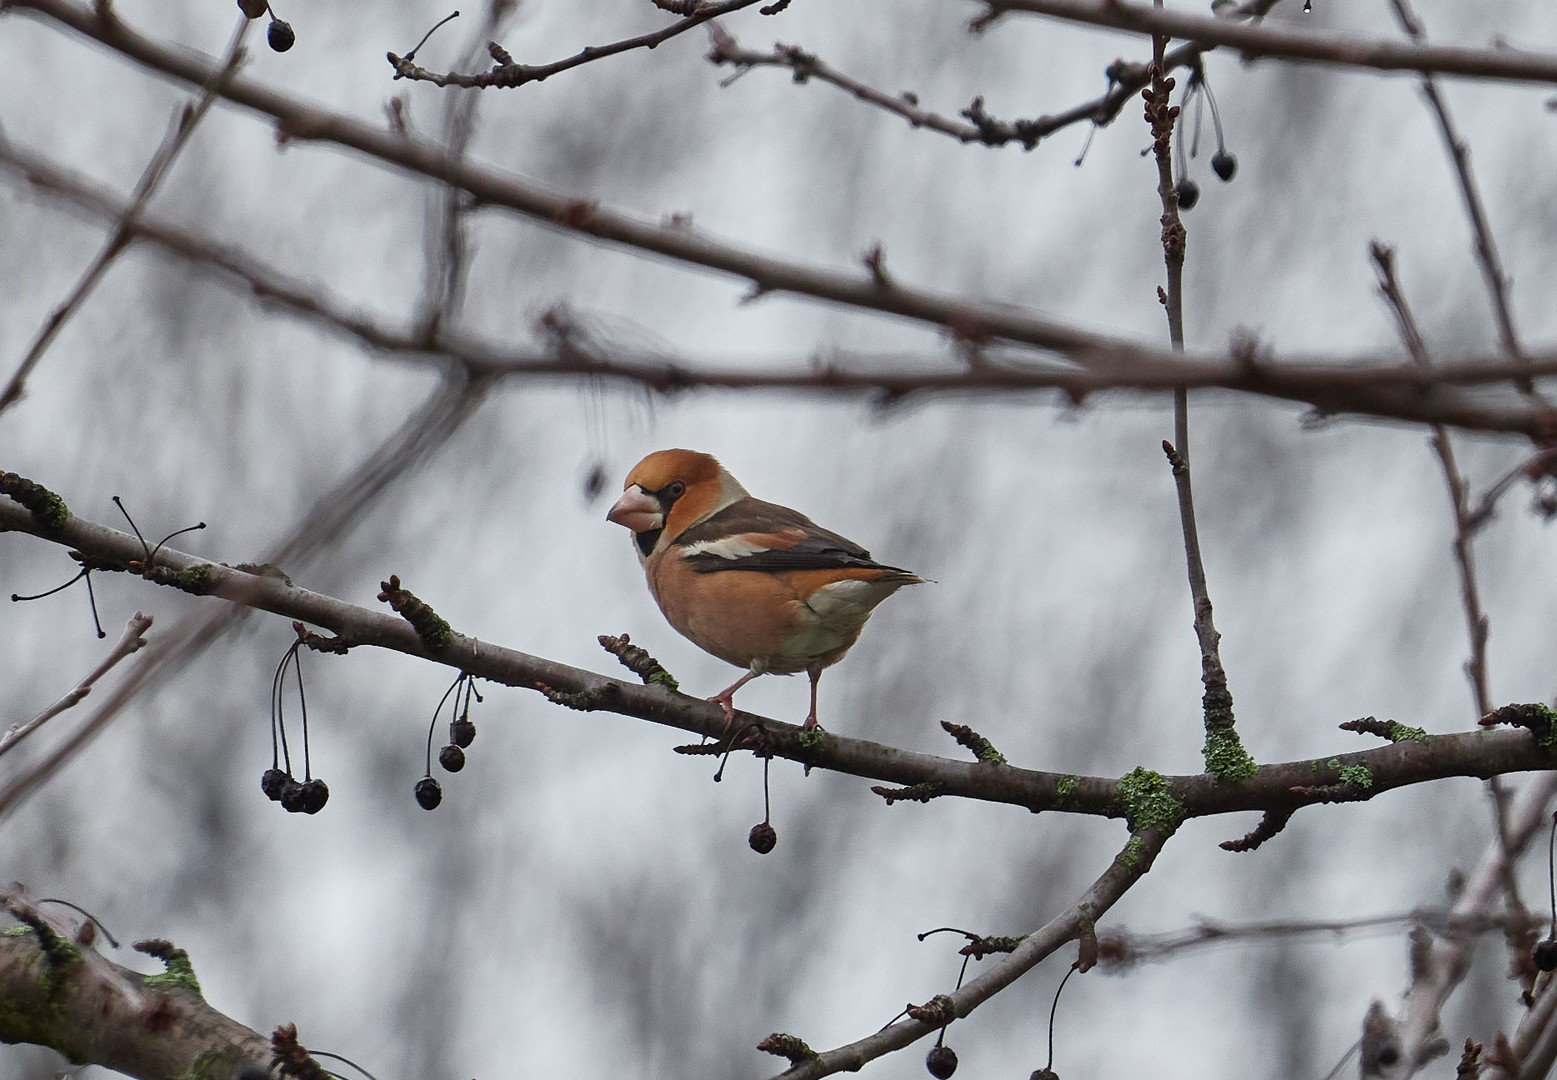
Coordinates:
x,y
758,585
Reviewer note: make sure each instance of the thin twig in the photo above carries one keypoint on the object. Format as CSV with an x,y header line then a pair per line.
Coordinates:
x,y
133,639
1128,868
1459,153
507,73
1120,947
1125,80
185,120
1534,1041
1224,754
1447,961
1470,592
1459,496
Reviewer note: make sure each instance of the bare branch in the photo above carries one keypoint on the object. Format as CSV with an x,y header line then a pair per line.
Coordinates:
x,y
1262,41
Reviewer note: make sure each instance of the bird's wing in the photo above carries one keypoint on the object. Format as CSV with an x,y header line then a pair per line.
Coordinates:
x,y
754,535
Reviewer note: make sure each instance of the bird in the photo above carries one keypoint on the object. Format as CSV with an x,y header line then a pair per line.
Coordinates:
x,y
756,584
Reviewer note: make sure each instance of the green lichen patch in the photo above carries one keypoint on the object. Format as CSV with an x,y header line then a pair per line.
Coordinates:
x,y
1226,759
1400,733
1066,789
811,738
178,973
1146,802
1540,720
1357,776
48,509
198,579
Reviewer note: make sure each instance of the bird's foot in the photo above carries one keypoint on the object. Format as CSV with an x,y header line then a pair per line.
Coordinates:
x,y
727,701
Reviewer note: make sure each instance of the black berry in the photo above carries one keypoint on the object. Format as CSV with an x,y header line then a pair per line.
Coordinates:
x,y
429,793
451,758
462,732
1188,192
273,783
941,1061
292,796
1224,165
253,9
313,795
762,838
280,36
1545,955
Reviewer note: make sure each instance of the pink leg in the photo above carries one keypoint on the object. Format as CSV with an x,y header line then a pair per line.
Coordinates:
x,y
816,673
727,697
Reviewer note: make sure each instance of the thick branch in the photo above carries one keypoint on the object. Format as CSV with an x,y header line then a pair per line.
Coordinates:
x,y
1366,385
1140,796
65,995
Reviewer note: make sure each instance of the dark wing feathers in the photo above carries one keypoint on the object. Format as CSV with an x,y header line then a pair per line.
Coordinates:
x,y
798,542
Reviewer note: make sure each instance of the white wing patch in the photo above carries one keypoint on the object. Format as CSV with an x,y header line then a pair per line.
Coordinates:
x,y
729,547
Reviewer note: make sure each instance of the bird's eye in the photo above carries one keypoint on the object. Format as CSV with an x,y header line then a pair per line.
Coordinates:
x,y
675,489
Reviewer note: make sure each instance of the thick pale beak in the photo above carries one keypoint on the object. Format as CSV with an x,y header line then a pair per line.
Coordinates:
x,y
637,510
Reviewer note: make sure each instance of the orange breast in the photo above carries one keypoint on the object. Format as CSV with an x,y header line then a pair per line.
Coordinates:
x,y
784,622
739,616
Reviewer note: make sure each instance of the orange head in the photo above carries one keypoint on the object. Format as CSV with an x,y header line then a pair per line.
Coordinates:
x,y
668,492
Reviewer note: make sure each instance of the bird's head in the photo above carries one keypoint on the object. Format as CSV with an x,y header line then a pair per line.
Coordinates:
x,y
668,492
